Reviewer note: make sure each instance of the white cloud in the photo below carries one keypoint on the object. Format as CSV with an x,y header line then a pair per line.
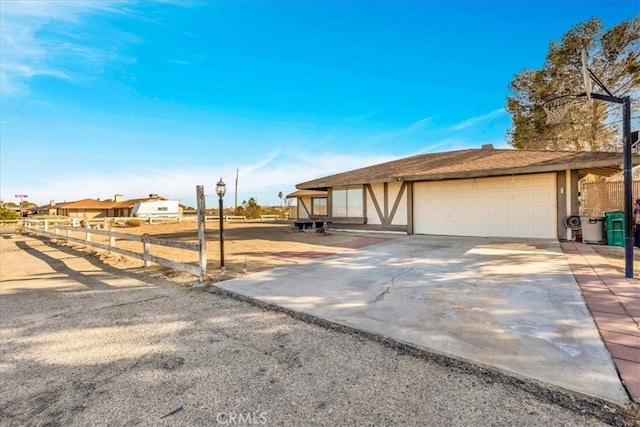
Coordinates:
x,y
474,120
261,179
47,38
419,125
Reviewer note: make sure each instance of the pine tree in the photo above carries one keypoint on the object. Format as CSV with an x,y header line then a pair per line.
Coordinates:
x,y
587,126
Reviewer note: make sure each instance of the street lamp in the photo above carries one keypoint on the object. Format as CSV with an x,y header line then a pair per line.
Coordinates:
x,y
221,189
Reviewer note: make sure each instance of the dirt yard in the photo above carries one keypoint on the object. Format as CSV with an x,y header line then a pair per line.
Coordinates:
x,y
84,343
615,256
249,247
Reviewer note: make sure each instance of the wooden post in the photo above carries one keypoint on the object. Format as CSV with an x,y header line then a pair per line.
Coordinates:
x,y
202,239
68,232
145,249
46,225
56,230
87,236
112,241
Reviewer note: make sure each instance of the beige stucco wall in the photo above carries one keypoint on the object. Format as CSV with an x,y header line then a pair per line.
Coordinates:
x,y
302,203
85,213
372,214
393,189
400,217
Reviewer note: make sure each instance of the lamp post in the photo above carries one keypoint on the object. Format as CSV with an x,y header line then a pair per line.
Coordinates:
x,y
221,189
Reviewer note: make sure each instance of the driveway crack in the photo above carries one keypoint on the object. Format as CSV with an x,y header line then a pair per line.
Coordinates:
x,y
381,295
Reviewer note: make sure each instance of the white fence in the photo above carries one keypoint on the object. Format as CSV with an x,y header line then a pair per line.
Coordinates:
x,y
44,228
271,217
227,218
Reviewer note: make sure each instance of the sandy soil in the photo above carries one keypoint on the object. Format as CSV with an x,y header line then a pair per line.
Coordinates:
x,y
249,247
86,344
615,256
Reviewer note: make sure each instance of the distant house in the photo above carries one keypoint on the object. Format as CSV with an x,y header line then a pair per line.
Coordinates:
x,y
92,208
474,192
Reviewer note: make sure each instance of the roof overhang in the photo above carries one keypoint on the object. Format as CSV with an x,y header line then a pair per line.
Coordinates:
x,y
306,193
600,167
597,167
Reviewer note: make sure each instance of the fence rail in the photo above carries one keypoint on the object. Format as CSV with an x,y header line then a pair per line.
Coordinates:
x,y
273,217
146,241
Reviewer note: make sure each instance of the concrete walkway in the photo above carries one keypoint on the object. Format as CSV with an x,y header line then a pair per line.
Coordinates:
x,y
508,304
614,302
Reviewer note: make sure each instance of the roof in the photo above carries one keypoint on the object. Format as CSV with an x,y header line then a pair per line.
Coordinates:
x,y
99,204
85,204
307,193
474,163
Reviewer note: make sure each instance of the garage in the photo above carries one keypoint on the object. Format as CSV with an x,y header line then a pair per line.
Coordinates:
x,y
472,192
505,206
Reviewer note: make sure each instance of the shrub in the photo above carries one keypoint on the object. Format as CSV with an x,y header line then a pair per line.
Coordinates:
x,y
6,214
133,223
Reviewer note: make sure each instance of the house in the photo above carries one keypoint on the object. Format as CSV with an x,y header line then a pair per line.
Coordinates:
x,y
92,208
311,204
472,192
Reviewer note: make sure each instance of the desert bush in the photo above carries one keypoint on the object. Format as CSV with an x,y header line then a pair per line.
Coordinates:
x,y
6,214
133,223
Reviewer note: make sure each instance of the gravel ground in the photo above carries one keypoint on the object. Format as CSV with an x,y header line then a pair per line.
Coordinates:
x,y
85,344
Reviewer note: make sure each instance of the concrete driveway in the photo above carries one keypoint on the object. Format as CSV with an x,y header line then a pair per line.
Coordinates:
x,y
510,304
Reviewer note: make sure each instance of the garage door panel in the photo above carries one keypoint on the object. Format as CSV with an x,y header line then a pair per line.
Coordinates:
x,y
501,184
518,206
502,199
483,185
539,198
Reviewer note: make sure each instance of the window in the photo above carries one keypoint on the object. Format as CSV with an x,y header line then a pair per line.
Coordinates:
x,y
348,202
163,208
319,206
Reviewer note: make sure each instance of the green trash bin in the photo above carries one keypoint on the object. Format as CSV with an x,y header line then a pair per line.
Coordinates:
x,y
615,228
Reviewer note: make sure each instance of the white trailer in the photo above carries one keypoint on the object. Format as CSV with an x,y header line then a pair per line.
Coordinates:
x,y
157,209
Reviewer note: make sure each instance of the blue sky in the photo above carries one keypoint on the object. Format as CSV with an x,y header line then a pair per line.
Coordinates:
x,y
105,97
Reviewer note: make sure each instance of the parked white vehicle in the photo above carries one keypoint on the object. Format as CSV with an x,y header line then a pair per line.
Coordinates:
x,y
157,209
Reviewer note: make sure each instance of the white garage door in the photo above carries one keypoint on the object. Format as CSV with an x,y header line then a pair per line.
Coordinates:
x,y
513,206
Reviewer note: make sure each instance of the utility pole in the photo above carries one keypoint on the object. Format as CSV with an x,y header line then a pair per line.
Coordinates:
x,y
235,206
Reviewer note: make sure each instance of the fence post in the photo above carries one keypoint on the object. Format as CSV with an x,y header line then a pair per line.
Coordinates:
x,y
112,240
87,235
46,225
56,230
145,249
68,233
202,240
